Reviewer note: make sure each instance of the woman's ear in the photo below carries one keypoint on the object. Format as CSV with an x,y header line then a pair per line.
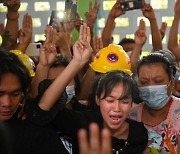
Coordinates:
x,y
97,101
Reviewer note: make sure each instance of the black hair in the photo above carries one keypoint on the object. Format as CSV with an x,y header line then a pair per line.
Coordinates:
x,y
10,63
106,82
169,55
61,60
155,58
126,40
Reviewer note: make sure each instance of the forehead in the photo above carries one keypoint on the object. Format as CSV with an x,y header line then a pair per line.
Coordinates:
x,y
156,69
9,82
128,46
119,90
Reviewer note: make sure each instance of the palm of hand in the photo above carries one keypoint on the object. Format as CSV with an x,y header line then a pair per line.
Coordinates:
x,y
82,53
25,36
48,54
91,17
61,39
140,37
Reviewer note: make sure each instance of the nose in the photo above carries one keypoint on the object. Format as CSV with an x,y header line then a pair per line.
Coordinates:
x,y
117,105
5,101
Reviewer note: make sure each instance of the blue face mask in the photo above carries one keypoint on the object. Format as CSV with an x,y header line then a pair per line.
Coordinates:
x,y
154,96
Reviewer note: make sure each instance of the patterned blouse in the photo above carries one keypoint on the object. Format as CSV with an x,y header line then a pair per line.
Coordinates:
x,y
169,128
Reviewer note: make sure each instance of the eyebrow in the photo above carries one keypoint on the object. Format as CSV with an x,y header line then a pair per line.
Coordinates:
x,y
125,97
121,98
16,90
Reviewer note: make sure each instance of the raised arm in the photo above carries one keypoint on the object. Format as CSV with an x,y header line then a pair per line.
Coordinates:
x,y
62,40
173,42
81,54
25,33
140,39
88,78
47,57
163,29
11,29
91,17
110,23
148,12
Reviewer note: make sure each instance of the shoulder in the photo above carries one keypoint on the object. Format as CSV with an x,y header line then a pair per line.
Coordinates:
x,y
176,101
175,106
136,129
138,135
136,111
136,126
137,106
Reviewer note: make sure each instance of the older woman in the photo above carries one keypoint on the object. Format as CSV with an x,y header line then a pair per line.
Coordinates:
x,y
160,110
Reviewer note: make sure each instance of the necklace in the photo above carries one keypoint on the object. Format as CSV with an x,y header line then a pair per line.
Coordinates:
x,y
121,150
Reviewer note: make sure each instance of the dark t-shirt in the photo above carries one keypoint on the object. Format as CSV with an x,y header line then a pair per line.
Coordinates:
x,y
69,122
26,137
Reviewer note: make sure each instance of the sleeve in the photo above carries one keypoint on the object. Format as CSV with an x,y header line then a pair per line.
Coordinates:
x,y
138,136
70,121
40,117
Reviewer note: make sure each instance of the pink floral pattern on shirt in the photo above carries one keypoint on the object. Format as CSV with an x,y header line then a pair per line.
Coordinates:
x,y
169,128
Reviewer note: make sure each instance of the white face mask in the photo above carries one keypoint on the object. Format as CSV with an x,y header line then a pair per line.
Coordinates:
x,y
129,53
70,90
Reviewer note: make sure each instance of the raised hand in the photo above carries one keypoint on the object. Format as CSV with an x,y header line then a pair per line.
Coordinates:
x,y
92,14
77,22
148,11
116,11
163,29
25,33
48,51
140,34
12,5
97,46
177,7
1,29
96,144
68,26
62,39
82,49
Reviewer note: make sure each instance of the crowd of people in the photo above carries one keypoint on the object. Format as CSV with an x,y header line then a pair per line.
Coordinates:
x,y
90,96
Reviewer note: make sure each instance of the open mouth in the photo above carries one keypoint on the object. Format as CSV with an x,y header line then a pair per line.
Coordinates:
x,y
115,119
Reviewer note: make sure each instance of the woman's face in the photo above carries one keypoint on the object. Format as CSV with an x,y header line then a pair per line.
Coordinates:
x,y
154,74
115,107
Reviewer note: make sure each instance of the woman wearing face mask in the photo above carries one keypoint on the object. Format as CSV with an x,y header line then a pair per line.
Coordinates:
x,y
114,97
160,110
